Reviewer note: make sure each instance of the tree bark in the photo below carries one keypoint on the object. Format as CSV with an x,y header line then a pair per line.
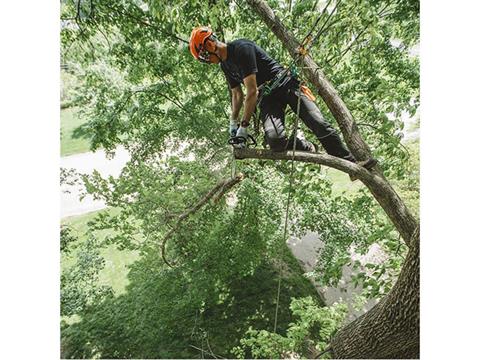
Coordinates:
x,y
391,329
308,157
380,188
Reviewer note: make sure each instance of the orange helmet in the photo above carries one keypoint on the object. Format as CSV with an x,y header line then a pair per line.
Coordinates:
x,y
197,43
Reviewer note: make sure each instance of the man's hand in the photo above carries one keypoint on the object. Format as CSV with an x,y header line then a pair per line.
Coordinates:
x,y
232,129
242,132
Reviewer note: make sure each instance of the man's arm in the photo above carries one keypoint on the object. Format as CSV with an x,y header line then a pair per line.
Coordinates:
x,y
251,99
237,102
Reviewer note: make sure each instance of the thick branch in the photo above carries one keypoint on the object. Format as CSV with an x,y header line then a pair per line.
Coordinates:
x,y
218,190
308,157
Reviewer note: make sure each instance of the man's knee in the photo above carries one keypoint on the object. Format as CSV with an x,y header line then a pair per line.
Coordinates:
x,y
275,134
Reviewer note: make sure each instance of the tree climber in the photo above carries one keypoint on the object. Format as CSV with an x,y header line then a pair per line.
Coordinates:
x,y
242,61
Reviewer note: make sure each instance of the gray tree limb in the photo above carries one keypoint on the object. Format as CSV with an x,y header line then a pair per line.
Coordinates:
x,y
216,192
307,157
391,328
380,188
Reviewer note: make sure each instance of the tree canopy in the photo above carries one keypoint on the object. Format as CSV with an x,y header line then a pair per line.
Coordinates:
x,y
139,87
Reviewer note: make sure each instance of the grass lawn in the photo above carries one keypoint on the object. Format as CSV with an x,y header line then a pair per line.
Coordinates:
x,y
69,121
341,182
116,261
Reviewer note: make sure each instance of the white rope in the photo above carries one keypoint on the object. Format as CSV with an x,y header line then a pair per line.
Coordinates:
x,y
288,203
234,164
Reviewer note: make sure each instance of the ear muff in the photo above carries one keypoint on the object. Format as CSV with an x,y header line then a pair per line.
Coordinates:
x,y
210,43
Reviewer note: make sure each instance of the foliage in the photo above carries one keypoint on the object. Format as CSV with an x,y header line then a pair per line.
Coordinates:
x,y
139,87
346,225
66,238
311,333
162,313
409,187
79,285
115,262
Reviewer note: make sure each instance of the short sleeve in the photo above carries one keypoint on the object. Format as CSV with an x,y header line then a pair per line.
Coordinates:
x,y
247,60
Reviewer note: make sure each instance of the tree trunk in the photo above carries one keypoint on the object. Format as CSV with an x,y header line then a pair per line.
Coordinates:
x,y
391,329
380,188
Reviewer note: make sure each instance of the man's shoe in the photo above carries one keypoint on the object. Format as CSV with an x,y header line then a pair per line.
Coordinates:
x,y
311,147
368,164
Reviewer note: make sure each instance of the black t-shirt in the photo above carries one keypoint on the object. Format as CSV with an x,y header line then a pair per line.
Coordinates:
x,y
244,58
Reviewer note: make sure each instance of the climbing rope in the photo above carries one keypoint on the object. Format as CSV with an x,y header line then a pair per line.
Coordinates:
x,y
289,196
308,37
234,164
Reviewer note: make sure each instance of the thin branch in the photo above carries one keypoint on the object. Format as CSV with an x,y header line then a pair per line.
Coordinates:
x,y
101,32
146,23
397,252
203,350
77,15
349,47
78,19
385,134
209,348
328,349
379,15
221,185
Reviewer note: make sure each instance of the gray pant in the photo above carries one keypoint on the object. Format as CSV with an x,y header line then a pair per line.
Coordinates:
x,y
272,114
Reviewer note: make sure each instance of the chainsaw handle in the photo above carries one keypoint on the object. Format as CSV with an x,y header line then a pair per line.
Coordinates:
x,y
236,140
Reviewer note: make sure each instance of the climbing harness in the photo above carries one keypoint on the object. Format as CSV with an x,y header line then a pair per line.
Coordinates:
x,y
267,87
